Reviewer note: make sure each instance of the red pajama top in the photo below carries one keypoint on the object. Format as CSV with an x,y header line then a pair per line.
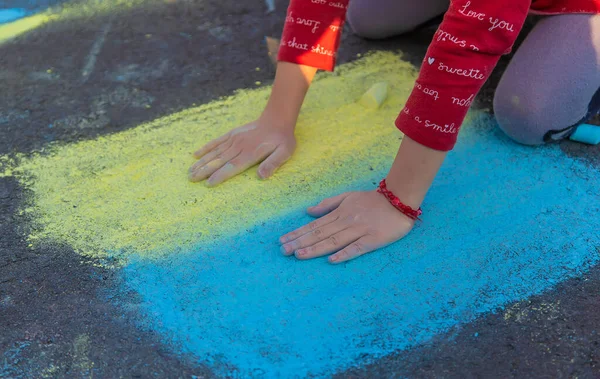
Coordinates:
x,y
463,53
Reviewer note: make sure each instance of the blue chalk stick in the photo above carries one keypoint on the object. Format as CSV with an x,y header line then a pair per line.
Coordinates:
x,y
11,14
586,133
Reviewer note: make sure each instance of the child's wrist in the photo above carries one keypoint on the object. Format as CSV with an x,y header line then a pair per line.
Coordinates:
x,y
413,171
409,195
278,119
409,211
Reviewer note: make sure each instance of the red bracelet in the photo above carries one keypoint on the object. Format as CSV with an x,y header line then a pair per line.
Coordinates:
x,y
408,211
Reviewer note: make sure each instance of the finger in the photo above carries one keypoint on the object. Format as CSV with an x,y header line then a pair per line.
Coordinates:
x,y
335,242
211,145
273,162
311,238
327,205
238,164
211,156
241,163
357,248
214,153
316,224
201,173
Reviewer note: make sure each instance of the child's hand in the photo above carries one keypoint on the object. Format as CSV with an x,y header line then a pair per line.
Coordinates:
x,y
242,148
350,225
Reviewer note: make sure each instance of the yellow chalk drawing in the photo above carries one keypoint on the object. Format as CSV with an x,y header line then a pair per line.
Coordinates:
x,y
81,356
129,191
71,12
50,372
16,28
522,311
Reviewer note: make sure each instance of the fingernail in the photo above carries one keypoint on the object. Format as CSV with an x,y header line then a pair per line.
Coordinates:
x,y
192,177
300,253
333,259
196,170
283,250
283,240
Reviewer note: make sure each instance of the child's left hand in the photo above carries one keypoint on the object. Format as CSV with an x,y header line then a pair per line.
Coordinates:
x,y
350,225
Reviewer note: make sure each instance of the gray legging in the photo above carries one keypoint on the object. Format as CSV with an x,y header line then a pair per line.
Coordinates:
x,y
548,88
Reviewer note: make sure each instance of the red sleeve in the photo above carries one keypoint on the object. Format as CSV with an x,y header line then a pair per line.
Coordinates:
x,y
312,32
462,55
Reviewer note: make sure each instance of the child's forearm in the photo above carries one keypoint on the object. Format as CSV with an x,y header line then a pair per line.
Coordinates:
x,y
289,89
413,171
415,166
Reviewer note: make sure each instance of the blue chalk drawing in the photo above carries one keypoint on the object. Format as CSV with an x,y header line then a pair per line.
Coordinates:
x,y
25,8
12,14
500,225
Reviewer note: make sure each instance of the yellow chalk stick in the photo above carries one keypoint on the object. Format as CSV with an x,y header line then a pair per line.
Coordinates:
x,y
375,96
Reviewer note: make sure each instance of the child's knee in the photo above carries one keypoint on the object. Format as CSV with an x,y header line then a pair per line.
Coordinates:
x,y
365,22
519,118
362,25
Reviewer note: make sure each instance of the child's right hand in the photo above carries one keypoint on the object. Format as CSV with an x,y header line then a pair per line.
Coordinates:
x,y
241,148
269,140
